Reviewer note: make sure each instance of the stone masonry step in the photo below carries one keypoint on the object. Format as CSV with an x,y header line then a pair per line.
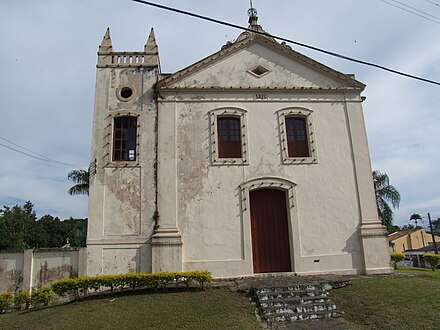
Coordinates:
x,y
298,301
304,308
290,317
296,287
285,293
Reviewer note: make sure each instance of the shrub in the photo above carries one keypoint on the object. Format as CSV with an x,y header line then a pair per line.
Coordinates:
x,y
23,298
42,296
396,257
5,301
432,259
73,286
35,298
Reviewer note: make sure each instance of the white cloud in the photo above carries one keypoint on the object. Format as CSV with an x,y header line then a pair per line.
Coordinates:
x,y
48,63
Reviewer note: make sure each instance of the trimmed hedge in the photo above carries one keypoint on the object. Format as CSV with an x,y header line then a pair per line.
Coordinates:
x,y
5,301
25,299
396,257
83,285
432,259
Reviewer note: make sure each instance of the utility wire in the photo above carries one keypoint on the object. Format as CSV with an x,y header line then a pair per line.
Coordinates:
x,y
235,26
434,3
39,156
420,11
437,19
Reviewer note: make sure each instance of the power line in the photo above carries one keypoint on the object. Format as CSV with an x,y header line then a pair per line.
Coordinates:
x,y
39,156
235,26
420,11
437,21
434,3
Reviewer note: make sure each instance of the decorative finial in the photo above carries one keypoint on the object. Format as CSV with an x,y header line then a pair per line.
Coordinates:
x,y
252,12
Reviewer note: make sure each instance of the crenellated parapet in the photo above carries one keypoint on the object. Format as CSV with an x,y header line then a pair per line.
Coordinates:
x,y
107,58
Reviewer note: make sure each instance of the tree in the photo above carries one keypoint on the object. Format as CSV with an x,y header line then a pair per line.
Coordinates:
x,y
81,180
16,226
436,226
416,218
407,227
20,229
385,193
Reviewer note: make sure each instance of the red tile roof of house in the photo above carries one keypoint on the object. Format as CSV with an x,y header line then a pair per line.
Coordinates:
x,y
398,234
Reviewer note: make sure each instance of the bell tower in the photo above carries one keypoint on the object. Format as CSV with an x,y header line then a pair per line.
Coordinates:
x,y
123,177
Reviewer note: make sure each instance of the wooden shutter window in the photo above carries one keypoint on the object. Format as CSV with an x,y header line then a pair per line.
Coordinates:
x,y
124,138
296,133
229,137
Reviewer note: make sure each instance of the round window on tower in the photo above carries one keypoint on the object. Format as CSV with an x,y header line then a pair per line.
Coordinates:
x,y
125,93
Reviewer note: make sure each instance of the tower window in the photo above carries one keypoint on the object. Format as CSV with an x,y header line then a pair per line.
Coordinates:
x,y
124,138
229,137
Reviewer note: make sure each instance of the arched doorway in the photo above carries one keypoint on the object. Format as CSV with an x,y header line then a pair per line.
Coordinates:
x,y
270,232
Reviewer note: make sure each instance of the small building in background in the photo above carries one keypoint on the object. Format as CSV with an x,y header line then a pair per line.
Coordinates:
x,y
413,239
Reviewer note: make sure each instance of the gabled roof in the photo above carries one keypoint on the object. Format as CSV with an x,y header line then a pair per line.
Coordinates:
x,y
247,39
398,234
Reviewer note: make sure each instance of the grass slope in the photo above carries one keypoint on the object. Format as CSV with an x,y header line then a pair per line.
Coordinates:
x,y
210,309
392,302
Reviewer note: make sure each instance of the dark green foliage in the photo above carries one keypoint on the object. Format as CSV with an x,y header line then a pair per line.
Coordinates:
x,y
20,229
16,224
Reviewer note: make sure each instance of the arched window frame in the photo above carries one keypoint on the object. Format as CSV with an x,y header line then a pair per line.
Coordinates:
x,y
214,115
307,115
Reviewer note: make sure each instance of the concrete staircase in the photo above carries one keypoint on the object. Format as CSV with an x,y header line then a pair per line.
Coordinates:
x,y
294,302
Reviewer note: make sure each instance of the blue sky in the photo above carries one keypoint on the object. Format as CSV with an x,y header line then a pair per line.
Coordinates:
x,y
48,63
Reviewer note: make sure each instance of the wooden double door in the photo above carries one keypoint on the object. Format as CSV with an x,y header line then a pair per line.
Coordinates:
x,y
270,231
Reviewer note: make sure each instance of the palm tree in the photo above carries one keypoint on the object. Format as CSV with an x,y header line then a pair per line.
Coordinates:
x,y
416,218
81,180
385,193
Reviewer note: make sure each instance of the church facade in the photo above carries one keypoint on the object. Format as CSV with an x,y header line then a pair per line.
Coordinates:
x,y
252,160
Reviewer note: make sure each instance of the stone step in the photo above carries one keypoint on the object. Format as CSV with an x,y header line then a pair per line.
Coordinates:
x,y
297,301
285,294
296,287
304,308
290,317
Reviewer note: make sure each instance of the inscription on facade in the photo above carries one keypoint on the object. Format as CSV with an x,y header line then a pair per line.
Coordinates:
x,y
260,97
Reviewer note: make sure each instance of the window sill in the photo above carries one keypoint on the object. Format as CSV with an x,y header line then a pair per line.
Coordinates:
x,y
229,162
300,160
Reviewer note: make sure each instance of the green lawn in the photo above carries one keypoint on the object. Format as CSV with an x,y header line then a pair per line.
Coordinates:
x,y
376,302
209,309
392,302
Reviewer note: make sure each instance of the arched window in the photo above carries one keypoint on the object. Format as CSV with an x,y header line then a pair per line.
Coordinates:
x,y
124,138
229,137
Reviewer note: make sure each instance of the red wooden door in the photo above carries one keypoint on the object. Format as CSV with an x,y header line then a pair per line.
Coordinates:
x,y
270,235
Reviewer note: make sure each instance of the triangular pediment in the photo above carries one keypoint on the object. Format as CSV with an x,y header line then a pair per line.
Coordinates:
x,y
259,63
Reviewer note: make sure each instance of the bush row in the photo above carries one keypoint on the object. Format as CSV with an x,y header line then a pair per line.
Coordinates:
x,y
84,285
432,259
26,299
